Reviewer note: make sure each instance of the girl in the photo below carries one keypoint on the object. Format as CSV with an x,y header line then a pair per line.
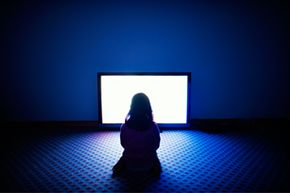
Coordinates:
x,y
140,138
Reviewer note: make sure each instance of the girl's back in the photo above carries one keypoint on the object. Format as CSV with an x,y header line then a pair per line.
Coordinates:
x,y
140,138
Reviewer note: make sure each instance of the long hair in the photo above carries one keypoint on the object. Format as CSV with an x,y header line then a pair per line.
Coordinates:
x,y
140,115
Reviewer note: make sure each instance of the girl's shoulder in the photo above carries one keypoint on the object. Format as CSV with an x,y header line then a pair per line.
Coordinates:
x,y
155,126
123,126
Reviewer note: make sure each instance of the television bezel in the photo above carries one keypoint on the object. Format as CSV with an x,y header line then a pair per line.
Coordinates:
x,y
162,125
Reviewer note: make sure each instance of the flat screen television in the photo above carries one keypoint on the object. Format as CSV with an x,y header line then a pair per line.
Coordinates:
x,y
168,94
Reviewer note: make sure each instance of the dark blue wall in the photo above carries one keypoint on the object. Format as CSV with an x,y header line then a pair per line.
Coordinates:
x,y
237,52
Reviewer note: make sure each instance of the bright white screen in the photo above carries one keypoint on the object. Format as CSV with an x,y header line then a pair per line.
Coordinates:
x,y
167,94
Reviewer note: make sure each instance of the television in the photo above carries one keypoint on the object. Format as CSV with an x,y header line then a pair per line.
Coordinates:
x,y
168,94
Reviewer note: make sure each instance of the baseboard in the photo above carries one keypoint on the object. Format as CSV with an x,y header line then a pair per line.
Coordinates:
x,y
203,124
257,124
50,124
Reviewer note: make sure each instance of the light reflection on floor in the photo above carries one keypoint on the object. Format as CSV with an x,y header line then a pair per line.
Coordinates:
x,y
191,161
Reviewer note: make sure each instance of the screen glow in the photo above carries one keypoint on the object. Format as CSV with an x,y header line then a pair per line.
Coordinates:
x,y
167,94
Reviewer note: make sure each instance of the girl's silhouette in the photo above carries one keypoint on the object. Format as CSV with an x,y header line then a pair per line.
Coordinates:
x,y
140,138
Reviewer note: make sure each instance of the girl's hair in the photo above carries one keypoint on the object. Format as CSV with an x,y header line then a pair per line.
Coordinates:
x,y
140,115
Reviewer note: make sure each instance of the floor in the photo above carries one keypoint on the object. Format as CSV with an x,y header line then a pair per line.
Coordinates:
x,y
191,161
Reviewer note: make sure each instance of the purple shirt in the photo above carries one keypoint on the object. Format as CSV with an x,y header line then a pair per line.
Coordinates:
x,y
140,146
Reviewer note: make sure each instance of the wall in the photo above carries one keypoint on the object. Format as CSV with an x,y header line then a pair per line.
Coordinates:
x,y
237,52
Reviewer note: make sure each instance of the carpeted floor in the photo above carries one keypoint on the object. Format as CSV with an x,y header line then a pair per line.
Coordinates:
x,y
191,161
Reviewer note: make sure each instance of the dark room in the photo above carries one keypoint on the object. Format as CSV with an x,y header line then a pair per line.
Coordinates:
x,y
145,96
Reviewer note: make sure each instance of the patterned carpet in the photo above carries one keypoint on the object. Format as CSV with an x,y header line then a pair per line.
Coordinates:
x,y
191,161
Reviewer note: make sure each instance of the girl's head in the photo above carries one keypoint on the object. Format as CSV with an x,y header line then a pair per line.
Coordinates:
x,y
140,114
